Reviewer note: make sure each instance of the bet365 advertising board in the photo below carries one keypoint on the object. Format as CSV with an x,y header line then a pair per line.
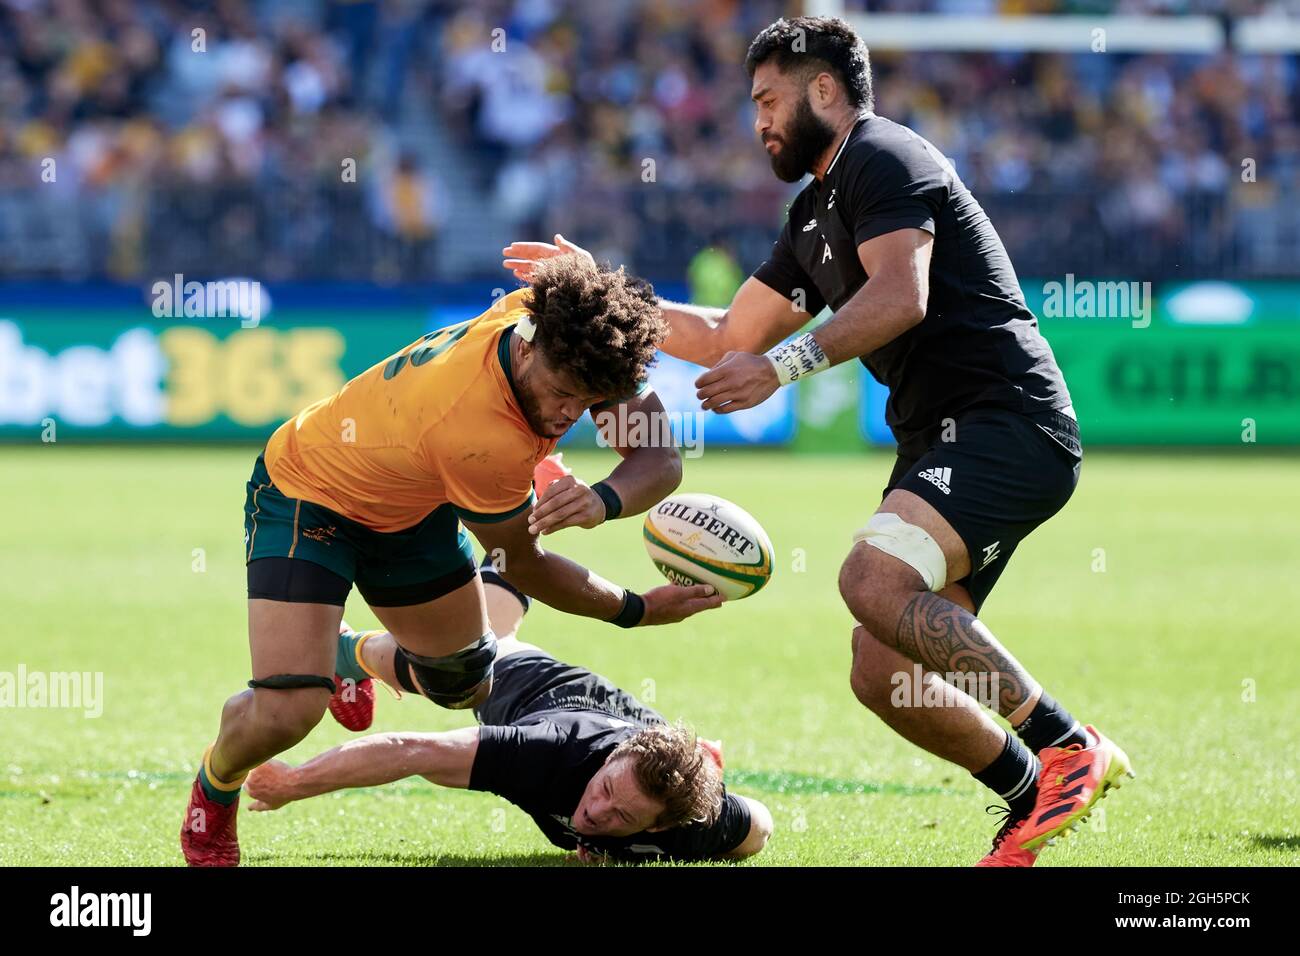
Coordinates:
x,y
1201,364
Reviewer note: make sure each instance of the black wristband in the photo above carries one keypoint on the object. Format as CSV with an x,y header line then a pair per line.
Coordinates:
x,y
613,503
632,611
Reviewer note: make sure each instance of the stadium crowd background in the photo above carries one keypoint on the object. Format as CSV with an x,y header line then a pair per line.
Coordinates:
x,y
231,160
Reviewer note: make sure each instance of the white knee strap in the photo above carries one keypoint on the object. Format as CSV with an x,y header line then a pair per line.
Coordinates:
x,y
910,544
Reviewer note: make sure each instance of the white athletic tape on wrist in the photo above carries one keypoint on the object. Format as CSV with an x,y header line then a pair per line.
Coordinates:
x,y
798,358
910,544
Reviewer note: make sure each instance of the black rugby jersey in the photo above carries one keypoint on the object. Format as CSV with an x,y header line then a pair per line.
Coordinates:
x,y
978,344
547,728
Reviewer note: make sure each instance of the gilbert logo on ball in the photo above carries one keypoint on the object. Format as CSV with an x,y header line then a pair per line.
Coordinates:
x,y
703,539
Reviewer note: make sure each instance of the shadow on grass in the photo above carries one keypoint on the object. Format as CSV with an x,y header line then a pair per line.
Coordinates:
x,y
413,859
1268,841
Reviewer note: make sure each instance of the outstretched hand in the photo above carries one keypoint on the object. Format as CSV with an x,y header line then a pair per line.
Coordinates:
x,y
270,786
521,257
674,602
740,380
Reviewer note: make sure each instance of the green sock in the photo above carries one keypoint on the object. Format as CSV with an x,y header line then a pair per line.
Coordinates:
x,y
345,660
215,794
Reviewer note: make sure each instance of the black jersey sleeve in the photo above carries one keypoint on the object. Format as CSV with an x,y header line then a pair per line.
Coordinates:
x,y
515,761
782,273
902,185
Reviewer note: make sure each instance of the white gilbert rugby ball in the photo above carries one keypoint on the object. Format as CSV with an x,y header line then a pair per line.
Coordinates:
x,y
703,539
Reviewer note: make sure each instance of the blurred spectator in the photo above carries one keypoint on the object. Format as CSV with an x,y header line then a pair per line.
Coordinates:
x,y
633,131
141,137
714,276
191,136
408,210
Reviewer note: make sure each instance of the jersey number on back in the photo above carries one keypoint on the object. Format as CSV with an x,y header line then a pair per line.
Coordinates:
x,y
430,350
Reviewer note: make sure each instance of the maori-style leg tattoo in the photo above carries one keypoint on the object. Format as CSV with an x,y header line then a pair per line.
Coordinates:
x,y
947,639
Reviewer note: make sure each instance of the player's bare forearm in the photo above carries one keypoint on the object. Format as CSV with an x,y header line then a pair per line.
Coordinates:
x,y
892,301
569,587
639,429
870,320
760,831
560,583
645,477
758,318
548,577
444,758
696,333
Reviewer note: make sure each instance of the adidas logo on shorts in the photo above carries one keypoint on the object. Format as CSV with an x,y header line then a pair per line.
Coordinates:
x,y
939,477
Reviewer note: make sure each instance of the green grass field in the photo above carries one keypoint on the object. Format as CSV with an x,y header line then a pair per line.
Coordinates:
x,y
1182,649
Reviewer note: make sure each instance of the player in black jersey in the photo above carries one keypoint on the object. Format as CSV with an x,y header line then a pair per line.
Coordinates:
x,y
598,771
886,235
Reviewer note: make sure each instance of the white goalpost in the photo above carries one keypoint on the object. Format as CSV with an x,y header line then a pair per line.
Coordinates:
x,y
1066,33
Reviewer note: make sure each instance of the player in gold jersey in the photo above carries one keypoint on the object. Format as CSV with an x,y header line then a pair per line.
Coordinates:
x,y
371,487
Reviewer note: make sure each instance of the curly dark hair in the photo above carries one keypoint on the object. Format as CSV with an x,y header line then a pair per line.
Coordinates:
x,y
599,325
812,45
670,766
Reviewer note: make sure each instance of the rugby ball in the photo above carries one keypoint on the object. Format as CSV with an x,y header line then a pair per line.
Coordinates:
x,y
703,539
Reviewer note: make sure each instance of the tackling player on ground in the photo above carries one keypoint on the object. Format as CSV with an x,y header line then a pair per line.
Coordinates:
x,y
597,770
924,294
370,486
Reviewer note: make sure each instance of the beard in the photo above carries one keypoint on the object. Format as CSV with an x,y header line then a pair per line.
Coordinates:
x,y
532,410
805,139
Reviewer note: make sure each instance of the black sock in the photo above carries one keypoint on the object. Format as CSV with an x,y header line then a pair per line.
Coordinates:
x,y
1051,725
1013,776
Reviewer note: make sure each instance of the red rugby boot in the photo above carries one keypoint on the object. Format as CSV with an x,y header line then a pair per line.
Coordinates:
x,y
208,835
1006,844
1072,782
353,702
